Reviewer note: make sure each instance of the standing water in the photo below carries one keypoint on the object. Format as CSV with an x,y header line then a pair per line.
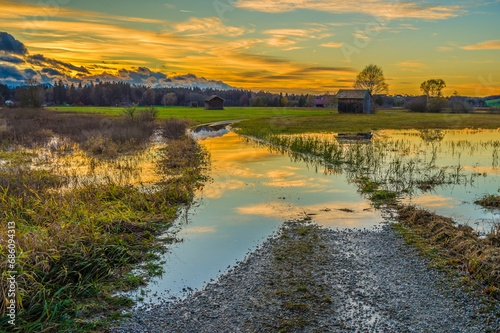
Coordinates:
x,y
251,193
253,190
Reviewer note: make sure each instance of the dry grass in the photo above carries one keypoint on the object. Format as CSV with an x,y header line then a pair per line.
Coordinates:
x,y
480,258
175,129
35,127
75,247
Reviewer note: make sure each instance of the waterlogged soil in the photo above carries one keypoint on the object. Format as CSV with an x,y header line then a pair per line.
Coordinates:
x,y
311,279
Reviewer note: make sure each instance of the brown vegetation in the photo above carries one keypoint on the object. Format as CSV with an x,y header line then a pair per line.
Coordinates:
x,y
489,201
460,245
74,248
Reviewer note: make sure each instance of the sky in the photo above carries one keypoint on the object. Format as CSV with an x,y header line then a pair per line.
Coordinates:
x,y
294,46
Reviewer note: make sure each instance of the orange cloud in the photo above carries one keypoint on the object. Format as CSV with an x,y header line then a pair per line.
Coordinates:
x,y
411,64
332,44
487,45
33,13
287,32
444,48
208,26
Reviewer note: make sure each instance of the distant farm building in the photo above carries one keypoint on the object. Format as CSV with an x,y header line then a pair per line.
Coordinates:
x,y
319,103
193,104
214,103
354,101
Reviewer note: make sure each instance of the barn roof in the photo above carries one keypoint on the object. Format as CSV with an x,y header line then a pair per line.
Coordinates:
x,y
352,93
211,98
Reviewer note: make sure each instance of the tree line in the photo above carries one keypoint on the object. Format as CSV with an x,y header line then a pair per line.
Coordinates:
x,y
33,94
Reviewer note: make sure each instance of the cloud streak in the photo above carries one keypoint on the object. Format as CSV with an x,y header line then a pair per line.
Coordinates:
x,y
381,8
41,60
332,45
207,26
487,45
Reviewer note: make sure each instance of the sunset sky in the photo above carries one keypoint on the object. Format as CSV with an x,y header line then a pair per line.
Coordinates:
x,y
309,46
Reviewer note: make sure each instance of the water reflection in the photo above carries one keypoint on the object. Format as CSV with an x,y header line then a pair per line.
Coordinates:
x,y
443,171
254,188
252,192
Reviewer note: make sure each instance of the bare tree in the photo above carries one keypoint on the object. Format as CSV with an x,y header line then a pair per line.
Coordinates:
x,y
372,79
169,99
432,87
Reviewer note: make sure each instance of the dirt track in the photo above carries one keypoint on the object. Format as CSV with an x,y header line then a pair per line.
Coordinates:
x,y
309,279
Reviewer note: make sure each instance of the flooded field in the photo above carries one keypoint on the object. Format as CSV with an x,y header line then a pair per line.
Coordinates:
x,y
442,171
254,188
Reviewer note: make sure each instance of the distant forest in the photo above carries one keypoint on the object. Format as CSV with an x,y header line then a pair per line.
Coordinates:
x,y
123,94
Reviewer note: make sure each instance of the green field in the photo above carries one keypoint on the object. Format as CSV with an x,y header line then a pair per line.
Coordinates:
x,y
202,116
301,120
493,102
340,123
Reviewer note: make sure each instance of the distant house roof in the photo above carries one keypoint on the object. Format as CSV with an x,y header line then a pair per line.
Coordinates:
x,y
352,93
211,98
9,102
319,101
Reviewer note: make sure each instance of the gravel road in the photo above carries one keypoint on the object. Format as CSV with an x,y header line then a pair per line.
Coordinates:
x,y
310,279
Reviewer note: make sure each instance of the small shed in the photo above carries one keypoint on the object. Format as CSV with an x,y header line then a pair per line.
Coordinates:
x,y
354,101
193,104
214,103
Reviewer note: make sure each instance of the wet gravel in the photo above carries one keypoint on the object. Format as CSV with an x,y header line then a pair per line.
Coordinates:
x,y
310,279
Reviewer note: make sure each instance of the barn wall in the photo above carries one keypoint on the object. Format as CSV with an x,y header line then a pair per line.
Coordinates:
x,y
350,106
215,104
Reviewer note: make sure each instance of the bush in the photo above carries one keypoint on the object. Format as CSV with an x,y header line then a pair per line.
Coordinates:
x,y
418,104
459,106
175,129
130,111
149,114
437,104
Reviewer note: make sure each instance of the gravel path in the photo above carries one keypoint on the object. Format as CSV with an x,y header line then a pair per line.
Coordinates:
x,y
309,279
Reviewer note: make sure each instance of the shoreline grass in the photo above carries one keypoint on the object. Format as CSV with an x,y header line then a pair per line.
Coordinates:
x,y
75,249
451,245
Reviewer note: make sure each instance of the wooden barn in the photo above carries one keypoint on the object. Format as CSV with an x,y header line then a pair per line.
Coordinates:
x,y
214,103
354,101
193,104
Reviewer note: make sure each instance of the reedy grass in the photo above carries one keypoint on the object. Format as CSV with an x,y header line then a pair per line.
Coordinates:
x,y
387,163
76,247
